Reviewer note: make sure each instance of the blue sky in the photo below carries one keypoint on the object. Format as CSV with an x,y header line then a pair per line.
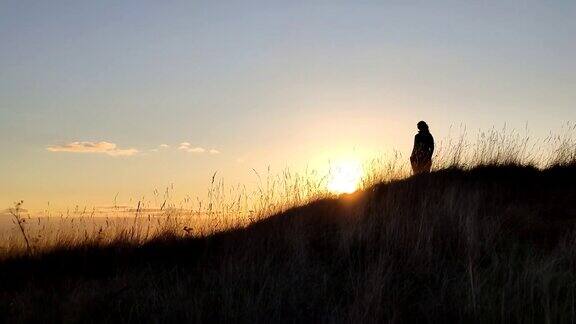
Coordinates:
x,y
263,83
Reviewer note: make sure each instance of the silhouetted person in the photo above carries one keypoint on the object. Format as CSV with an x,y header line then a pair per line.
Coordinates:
x,y
421,157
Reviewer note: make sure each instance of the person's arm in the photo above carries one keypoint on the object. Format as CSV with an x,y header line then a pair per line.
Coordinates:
x,y
415,147
431,146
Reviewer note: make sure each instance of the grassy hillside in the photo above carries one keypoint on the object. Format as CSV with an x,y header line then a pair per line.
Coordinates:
x,y
482,245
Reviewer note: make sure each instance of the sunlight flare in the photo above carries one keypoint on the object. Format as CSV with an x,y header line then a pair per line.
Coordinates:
x,y
345,176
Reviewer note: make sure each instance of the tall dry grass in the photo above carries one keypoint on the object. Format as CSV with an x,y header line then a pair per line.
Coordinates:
x,y
488,237
227,207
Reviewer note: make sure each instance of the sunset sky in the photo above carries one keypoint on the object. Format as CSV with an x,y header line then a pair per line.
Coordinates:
x,y
99,98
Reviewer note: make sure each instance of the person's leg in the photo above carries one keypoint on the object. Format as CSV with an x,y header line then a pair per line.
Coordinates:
x,y
427,166
415,167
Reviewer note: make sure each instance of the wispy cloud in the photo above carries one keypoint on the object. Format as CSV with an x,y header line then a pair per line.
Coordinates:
x,y
107,148
184,146
187,147
160,147
196,150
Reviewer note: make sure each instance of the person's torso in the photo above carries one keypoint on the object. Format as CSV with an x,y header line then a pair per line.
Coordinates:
x,y
423,145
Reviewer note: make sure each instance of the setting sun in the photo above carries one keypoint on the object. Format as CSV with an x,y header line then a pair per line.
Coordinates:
x,y
345,176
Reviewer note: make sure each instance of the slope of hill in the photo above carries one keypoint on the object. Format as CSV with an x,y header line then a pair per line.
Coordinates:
x,y
485,245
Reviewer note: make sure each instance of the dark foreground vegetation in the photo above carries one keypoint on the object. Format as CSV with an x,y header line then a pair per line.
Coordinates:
x,y
492,244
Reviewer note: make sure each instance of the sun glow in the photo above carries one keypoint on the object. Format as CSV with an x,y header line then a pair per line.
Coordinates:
x,y
345,176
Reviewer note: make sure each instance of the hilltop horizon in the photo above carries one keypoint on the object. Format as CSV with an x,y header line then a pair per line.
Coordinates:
x,y
298,161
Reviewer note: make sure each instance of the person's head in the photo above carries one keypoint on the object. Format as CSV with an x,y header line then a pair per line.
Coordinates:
x,y
422,126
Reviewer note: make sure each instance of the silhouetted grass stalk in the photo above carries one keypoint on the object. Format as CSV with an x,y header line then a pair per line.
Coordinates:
x,y
237,206
19,221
